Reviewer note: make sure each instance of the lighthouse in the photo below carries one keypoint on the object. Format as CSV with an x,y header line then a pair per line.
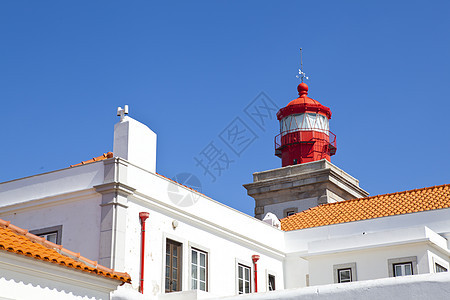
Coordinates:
x,y
305,135
307,177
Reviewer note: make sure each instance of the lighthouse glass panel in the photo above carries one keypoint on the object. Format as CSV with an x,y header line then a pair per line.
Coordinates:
x,y
304,122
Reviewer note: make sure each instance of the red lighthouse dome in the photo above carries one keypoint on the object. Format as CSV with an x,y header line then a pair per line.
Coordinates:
x,y
304,131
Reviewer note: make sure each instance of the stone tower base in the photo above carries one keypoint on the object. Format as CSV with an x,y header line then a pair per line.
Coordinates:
x,y
296,188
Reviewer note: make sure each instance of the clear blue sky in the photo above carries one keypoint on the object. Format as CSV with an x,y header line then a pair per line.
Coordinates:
x,y
187,69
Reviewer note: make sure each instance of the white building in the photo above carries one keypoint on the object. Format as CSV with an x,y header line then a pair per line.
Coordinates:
x,y
200,248
34,268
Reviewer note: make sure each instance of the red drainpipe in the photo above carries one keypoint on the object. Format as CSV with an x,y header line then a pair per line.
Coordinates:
x,y
255,258
143,216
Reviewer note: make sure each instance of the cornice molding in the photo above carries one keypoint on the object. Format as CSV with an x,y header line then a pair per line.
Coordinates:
x,y
117,188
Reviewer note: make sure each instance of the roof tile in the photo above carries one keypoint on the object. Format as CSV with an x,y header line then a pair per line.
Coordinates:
x,y
20,241
94,159
430,198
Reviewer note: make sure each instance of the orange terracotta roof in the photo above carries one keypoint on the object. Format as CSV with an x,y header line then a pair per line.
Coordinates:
x,y
399,203
98,158
20,241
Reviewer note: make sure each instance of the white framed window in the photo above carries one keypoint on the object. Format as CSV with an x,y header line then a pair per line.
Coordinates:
x,y
244,279
52,234
199,270
403,269
402,266
438,268
344,275
344,272
439,264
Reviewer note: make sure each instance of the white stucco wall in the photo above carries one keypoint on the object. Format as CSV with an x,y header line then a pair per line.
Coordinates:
x,y
79,217
44,187
369,243
370,264
227,235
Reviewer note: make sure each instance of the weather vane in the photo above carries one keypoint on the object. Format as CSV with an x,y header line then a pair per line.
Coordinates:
x,y
301,74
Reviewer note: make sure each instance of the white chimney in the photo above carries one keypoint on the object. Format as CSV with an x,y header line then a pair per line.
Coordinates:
x,y
134,141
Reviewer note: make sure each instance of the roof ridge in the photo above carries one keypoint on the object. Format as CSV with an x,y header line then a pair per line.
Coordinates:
x,y
380,195
124,277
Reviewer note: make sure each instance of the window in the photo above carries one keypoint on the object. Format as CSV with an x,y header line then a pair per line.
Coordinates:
x,y
173,266
304,122
438,268
344,275
244,279
271,280
402,266
199,268
403,269
290,211
52,234
344,272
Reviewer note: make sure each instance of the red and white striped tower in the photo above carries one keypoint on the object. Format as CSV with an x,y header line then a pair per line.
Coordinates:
x,y
304,131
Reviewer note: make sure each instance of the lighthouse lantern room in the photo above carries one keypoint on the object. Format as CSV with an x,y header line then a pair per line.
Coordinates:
x,y
304,131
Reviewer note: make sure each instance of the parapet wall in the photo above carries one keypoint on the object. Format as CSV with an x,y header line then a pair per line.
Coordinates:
x,y
426,286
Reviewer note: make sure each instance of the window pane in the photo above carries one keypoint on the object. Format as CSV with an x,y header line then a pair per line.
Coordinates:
x,y
174,285
271,282
51,237
175,251
301,121
202,259
202,286
247,274
241,286
167,260
174,262
174,274
398,270
202,274
194,273
167,271
247,287
194,257
167,283
408,270
240,272
194,284
312,120
440,268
